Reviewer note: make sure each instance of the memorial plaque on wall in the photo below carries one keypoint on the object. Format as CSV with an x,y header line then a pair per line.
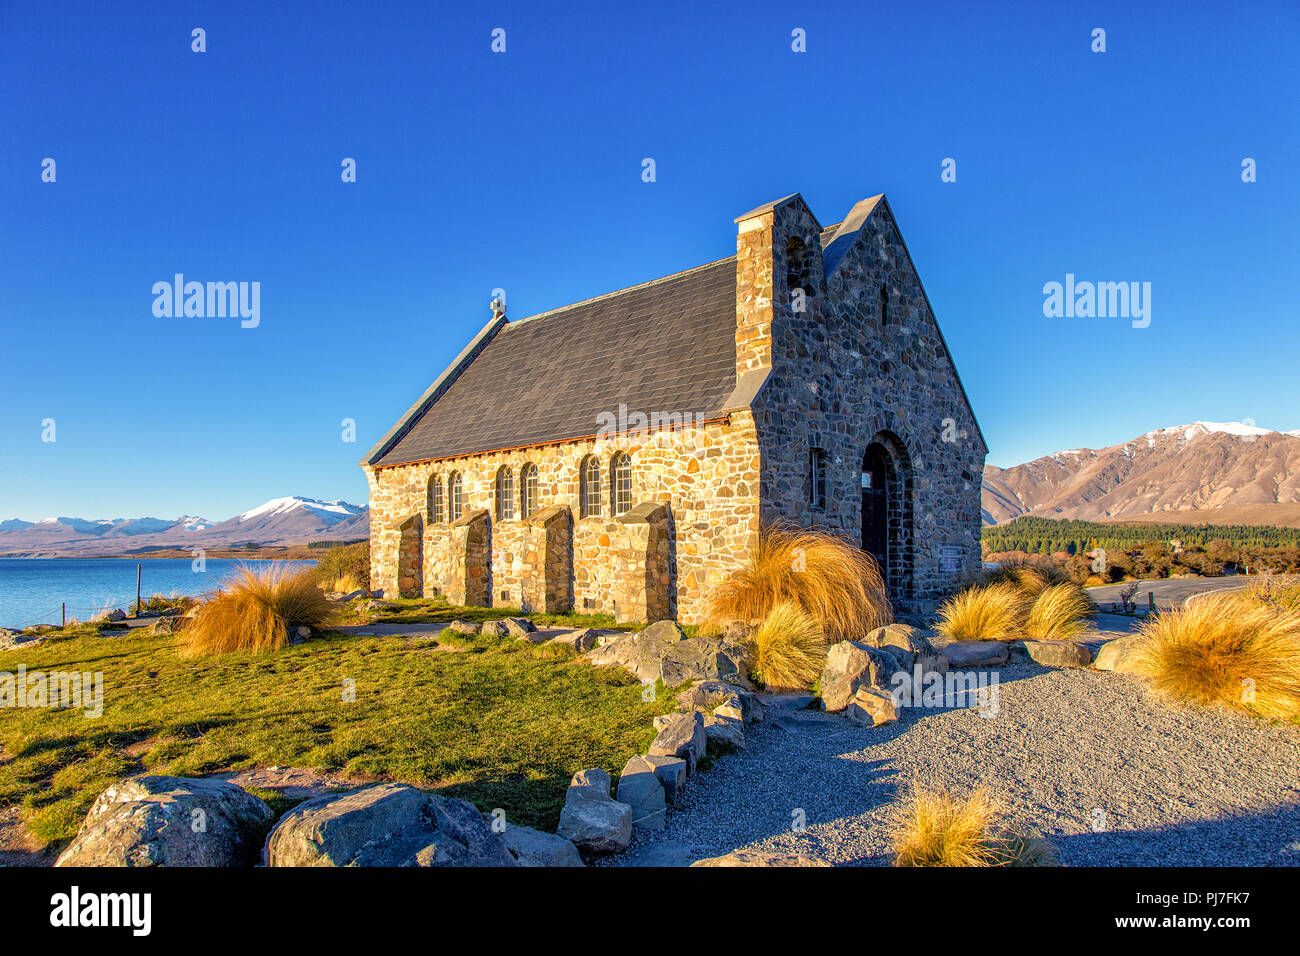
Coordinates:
x,y
950,558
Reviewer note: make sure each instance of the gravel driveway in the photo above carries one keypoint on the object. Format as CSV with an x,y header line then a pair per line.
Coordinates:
x,y
1169,786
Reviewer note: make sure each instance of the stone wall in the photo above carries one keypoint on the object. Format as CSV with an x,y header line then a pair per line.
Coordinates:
x,y
840,379
707,476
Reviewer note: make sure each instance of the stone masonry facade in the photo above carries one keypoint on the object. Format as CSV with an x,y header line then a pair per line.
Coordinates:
x,y
837,357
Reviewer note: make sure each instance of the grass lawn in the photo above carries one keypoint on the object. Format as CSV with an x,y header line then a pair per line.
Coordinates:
x,y
498,722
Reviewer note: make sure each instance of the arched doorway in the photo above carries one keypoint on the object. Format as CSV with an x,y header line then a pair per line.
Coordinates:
x,y
876,468
887,514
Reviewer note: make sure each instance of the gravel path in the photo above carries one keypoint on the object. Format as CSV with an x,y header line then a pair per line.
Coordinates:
x,y
1175,786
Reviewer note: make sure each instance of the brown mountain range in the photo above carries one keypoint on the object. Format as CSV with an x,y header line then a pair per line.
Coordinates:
x,y
1217,472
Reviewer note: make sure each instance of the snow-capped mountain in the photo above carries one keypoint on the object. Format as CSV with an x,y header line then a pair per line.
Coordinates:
x,y
1222,472
289,520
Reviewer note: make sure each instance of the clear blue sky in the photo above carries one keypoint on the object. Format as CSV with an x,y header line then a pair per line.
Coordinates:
x,y
523,170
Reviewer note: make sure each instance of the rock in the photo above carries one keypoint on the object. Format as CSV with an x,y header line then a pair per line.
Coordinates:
x,y
494,629
532,847
639,651
682,736
872,707
671,772
115,615
787,702
335,596
11,639
170,821
910,645
641,789
661,853
760,858
299,634
1059,653
738,632
389,824
581,640
975,653
164,625
725,732
465,628
1121,655
591,819
705,658
850,665
518,627
723,699
353,595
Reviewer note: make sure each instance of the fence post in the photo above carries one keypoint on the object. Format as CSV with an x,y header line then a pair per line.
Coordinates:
x,y
1151,602
137,590
65,614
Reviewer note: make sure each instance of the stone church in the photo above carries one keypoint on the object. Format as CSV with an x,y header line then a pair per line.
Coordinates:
x,y
620,455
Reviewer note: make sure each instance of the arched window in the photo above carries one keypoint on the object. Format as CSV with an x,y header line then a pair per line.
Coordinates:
x,y
798,268
436,503
505,493
590,490
884,304
455,497
620,483
528,490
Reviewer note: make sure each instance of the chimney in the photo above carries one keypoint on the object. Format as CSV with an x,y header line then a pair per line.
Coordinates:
x,y
778,276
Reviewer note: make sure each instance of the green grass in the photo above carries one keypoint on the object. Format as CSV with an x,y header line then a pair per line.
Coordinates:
x,y
501,723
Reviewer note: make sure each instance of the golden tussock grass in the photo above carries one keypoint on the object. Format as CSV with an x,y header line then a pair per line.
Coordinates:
x,y
937,828
789,648
255,609
828,577
1059,612
1232,649
992,612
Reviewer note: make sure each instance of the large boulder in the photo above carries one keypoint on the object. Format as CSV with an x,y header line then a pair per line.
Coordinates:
x,y
910,645
725,732
671,772
760,858
593,820
1059,653
532,847
682,736
170,821
581,640
1122,655
705,658
464,628
494,629
853,664
722,699
641,789
975,653
872,707
11,639
519,627
639,651
389,824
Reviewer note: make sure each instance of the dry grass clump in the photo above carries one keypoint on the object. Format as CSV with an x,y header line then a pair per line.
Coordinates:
x,y
826,576
1230,649
255,610
789,648
1059,613
993,612
1030,578
936,828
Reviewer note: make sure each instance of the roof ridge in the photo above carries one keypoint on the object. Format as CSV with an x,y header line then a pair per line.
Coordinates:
x,y
616,292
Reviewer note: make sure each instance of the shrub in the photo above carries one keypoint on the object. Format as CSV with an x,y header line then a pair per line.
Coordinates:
x,y
1059,612
345,567
994,612
1230,649
826,576
1031,577
789,648
255,610
936,828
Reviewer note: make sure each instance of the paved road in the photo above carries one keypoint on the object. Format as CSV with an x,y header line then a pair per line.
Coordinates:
x,y
1172,592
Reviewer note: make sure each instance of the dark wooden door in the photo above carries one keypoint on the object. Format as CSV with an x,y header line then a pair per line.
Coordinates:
x,y
875,508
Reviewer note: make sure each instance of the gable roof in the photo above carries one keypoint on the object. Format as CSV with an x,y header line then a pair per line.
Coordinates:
x,y
665,346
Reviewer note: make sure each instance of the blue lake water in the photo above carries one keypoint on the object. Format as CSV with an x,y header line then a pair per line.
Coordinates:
x,y
32,589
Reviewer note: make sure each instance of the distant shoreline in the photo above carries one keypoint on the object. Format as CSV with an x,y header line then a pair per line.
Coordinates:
x,y
286,553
